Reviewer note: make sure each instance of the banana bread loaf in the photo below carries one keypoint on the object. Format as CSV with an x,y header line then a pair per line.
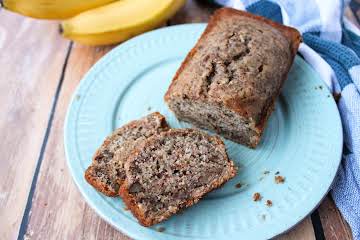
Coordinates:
x,y
106,173
229,81
172,171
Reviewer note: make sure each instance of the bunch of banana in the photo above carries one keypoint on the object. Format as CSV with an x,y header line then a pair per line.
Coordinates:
x,y
118,21
99,22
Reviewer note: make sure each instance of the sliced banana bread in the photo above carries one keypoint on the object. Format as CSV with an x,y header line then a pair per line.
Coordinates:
x,y
229,81
173,170
106,173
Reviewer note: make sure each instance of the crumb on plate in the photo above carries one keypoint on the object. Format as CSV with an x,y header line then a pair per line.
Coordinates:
x,y
256,197
279,179
268,203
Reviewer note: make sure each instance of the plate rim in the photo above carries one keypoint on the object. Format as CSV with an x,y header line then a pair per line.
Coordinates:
x,y
108,58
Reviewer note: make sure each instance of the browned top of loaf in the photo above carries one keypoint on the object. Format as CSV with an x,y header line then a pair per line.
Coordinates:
x,y
240,61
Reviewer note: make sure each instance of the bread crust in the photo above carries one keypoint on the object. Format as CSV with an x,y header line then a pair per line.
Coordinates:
x,y
130,201
99,186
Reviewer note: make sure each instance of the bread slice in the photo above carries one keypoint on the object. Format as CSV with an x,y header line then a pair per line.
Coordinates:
x,y
106,173
172,171
229,81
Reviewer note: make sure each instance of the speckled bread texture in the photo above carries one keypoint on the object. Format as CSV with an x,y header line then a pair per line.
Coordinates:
x,y
229,81
106,172
172,171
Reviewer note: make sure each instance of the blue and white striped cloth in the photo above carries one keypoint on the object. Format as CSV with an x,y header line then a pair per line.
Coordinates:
x,y
332,47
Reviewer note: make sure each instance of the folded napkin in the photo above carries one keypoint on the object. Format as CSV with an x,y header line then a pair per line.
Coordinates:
x,y
332,47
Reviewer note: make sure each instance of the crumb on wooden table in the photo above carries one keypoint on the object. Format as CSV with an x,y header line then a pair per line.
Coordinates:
x,y
238,185
256,197
279,179
268,203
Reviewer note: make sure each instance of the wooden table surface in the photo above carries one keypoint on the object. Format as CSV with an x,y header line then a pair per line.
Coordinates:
x,y
39,71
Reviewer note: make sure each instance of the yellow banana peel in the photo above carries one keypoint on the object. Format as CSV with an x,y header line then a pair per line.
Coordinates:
x,y
119,21
51,9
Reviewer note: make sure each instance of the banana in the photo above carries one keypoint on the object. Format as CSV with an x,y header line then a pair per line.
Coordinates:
x,y
51,9
118,21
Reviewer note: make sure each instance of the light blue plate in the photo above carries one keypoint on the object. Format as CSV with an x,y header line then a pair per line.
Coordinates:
x,y
303,141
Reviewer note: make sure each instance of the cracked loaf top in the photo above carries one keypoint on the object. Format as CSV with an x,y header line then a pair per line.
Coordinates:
x,y
240,61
